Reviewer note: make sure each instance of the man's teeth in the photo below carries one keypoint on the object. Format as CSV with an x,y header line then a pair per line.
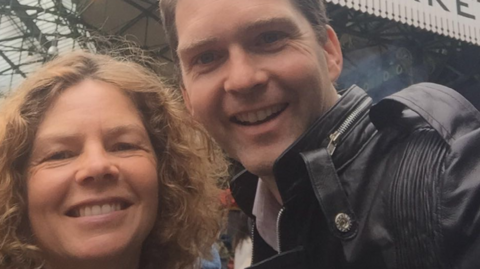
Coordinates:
x,y
260,115
96,210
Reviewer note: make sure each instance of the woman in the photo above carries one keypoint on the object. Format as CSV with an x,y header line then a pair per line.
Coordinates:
x,y
100,167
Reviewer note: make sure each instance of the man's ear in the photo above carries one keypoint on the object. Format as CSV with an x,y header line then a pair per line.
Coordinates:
x,y
333,54
186,99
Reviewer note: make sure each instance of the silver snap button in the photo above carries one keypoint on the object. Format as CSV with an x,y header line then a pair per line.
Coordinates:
x,y
343,222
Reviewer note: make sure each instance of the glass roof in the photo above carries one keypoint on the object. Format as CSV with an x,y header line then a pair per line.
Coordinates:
x,y
33,31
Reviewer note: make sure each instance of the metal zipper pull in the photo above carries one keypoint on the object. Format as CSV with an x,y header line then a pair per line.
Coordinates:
x,y
332,145
345,126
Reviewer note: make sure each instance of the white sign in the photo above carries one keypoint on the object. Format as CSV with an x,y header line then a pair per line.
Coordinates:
x,y
459,19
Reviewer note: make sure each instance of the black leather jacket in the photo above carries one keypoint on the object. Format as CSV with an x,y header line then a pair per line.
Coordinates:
x,y
396,185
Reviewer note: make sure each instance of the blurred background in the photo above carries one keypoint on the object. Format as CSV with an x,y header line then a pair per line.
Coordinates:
x,y
387,44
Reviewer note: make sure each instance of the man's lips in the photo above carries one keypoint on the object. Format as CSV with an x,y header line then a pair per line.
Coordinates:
x,y
259,116
98,207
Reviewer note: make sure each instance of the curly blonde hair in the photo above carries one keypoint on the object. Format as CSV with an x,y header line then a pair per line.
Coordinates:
x,y
190,166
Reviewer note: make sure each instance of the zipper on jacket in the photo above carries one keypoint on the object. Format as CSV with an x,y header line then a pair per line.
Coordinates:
x,y
279,242
253,240
345,126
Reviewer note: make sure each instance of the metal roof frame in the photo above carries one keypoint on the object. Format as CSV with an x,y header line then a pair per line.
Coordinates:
x,y
28,28
430,57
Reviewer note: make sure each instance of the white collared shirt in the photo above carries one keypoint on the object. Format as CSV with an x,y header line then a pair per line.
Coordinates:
x,y
266,209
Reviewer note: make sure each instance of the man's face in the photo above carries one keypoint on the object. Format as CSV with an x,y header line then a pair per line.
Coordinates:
x,y
255,74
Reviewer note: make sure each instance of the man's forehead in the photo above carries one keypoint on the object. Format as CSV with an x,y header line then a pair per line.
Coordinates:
x,y
201,13
202,24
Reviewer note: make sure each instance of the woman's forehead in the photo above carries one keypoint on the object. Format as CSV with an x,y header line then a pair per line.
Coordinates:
x,y
90,103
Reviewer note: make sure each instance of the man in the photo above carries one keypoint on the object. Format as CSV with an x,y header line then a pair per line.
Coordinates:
x,y
331,182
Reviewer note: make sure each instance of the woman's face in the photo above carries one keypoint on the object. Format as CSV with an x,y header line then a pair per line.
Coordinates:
x,y
92,179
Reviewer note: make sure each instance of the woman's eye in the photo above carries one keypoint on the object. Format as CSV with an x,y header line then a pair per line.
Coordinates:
x,y
58,156
124,147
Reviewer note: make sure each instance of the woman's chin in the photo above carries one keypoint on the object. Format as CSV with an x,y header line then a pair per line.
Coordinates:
x,y
99,252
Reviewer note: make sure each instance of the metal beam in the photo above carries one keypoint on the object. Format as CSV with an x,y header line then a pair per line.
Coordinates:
x,y
29,23
72,20
14,37
14,67
145,12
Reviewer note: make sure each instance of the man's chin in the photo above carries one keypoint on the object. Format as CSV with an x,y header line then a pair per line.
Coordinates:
x,y
260,160
260,168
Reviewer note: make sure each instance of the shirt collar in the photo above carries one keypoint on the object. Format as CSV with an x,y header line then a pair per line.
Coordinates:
x,y
265,210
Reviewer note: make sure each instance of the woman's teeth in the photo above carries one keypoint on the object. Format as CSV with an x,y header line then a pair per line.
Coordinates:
x,y
96,210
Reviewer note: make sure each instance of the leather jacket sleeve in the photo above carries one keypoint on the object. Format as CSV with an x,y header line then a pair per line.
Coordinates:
x,y
448,208
459,208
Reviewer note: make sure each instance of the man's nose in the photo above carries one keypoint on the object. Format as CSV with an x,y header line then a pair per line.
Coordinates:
x,y
244,73
95,166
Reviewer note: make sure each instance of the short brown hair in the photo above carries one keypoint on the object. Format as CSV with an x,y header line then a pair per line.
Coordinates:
x,y
313,10
189,166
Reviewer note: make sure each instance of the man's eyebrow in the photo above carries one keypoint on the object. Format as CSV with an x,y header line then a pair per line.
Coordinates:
x,y
285,23
195,44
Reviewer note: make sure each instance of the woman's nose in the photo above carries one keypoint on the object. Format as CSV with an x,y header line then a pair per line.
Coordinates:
x,y
96,165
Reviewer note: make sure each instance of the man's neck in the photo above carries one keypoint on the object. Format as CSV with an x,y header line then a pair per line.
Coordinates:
x,y
272,187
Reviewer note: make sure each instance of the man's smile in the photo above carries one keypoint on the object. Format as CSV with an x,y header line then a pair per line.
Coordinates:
x,y
259,116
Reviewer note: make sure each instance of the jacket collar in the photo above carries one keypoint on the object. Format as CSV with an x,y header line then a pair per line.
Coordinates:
x,y
289,168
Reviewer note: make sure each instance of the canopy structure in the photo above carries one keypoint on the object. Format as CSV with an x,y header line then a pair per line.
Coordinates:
x,y
387,44
459,19
33,31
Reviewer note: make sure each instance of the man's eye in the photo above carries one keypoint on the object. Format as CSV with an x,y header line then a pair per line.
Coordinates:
x,y
271,37
206,58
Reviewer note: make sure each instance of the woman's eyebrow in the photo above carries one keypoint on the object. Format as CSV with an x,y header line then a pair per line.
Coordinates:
x,y
125,129
58,137
69,136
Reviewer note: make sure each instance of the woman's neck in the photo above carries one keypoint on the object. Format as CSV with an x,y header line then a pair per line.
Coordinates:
x,y
107,263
